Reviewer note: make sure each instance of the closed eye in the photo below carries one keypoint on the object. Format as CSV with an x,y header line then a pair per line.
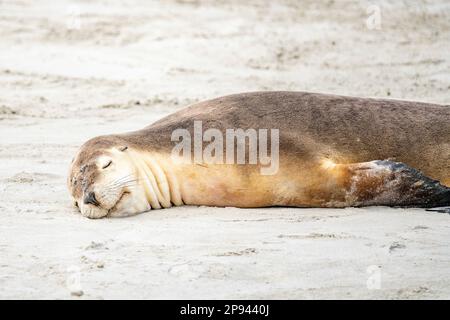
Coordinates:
x,y
107,165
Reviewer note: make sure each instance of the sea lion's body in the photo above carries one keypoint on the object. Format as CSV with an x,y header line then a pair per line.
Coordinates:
x,y
334,151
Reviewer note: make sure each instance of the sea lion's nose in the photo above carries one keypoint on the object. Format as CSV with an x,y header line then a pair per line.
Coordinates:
x,y
89,198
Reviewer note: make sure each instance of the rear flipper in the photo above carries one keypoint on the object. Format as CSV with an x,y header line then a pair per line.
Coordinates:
x,y
441,210
389,183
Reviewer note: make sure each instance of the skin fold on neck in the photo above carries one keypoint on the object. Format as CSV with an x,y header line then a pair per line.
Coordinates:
x,y
161,186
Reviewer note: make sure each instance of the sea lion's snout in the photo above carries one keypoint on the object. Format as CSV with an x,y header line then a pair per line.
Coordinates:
x,y
91,199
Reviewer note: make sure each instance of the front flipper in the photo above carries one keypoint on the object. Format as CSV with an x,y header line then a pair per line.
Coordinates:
x,y
384,182
440,210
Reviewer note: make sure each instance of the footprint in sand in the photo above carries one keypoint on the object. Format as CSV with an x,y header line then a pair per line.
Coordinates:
x,y
187,271
395,246
244,252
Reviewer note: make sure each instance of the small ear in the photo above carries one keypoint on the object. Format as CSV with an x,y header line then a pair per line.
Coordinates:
x,y
123,148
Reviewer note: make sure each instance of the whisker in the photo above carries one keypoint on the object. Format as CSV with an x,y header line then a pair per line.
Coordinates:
x,y
127,181
121,179
125,184
109,194
119,185
111,190
125,176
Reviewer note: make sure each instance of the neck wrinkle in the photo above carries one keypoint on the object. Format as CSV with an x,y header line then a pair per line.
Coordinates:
x,y
161,184
143,177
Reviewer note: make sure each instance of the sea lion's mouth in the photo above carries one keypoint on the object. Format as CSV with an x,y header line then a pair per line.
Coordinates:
x,y
113,208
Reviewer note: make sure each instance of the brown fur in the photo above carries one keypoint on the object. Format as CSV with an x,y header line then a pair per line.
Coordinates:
x,y
415,133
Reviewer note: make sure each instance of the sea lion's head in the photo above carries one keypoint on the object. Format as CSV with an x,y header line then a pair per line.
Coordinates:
x,y
103,179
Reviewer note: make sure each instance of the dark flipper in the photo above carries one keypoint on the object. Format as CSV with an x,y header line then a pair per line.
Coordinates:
x,y
394,184
441,210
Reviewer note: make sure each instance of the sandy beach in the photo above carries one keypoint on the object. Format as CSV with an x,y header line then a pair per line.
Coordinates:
x,y
72,70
